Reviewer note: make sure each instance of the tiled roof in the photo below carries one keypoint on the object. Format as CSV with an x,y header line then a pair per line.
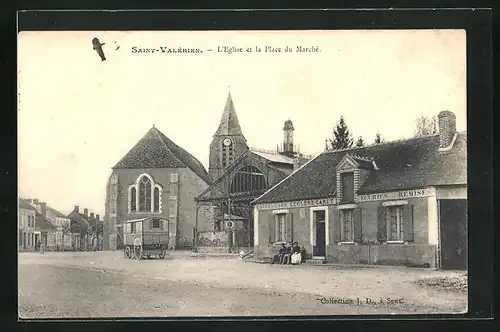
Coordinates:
x,y
155,150
43,224
366,163
405,164
229,124
23,204
56,213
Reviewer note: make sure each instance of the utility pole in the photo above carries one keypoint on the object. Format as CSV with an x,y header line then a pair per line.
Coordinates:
x,y
230,235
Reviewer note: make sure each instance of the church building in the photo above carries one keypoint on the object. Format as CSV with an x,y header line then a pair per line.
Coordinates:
x,y
396,203
239,175
155,178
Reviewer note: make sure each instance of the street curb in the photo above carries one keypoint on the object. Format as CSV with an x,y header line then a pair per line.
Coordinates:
x,y
353,266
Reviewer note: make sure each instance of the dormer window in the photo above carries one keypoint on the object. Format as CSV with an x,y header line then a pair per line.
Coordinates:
x,y
352,170
347,182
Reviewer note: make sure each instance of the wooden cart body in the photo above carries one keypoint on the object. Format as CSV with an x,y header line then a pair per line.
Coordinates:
x,y
148,235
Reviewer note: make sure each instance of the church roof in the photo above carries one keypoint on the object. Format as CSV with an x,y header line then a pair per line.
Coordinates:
x,y
404,164
229,124
155,150
277,158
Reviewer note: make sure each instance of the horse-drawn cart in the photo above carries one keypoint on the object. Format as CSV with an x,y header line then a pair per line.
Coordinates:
x,y
146,237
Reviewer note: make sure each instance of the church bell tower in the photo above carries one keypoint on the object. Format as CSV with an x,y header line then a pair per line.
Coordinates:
x,y
228,142
288,148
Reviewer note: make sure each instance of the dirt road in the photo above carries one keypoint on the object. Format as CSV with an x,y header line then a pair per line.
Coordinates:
x,y
104,284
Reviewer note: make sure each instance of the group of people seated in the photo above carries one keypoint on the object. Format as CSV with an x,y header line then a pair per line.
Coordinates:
x,y
290,254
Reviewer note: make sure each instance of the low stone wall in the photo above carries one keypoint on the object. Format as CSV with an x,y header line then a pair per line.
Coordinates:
x,y
213,239
234,250
423,255
418,255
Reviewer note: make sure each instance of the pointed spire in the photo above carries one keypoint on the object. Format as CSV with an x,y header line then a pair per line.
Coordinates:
x,y
229,124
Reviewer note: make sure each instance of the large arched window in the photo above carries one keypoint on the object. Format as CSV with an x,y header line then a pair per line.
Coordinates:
x,y
248,179
145,195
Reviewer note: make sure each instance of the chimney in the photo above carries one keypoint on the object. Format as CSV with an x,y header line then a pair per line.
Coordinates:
x,y
97,217
447,129
77,209
43,209
92,215
86,212
35,201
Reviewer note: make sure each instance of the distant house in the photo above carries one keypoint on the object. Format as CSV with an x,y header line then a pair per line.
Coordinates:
x,y
64,238
48,232
28,235
395,203
89,226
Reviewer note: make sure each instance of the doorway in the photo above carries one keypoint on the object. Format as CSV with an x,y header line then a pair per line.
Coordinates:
x,y
319,250
453,231
37,242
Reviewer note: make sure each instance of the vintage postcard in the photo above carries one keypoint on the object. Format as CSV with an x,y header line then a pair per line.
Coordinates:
x,y
242,173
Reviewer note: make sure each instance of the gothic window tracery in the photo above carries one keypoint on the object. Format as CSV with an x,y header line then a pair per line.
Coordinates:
x,y
248,179
145,195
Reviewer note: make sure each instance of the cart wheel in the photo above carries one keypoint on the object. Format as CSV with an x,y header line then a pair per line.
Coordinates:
x,y
127,252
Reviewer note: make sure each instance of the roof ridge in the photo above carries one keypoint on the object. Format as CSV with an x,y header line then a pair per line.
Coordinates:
x,y
185,162
159,134
285,178
380,144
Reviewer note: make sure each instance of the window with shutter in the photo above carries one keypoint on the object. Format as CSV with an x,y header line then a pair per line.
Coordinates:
x,y
347,225
357,225
382,225
289,227
395,223
271,228
337,226
408,222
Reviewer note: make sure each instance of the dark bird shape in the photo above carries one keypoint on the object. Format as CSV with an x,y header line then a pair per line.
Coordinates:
x,y
98,48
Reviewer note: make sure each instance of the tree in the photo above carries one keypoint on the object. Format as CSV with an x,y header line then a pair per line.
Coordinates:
x,y
342,138
66,229
426,126
378,138
360,142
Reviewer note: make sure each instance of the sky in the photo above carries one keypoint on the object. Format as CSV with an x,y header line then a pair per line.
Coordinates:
x,y
78,115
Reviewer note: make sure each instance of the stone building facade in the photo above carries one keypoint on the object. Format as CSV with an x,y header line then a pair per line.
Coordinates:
x,y
395,203
155,178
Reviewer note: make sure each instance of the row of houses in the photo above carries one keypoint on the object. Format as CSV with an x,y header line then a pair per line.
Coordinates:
x,y
40,224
